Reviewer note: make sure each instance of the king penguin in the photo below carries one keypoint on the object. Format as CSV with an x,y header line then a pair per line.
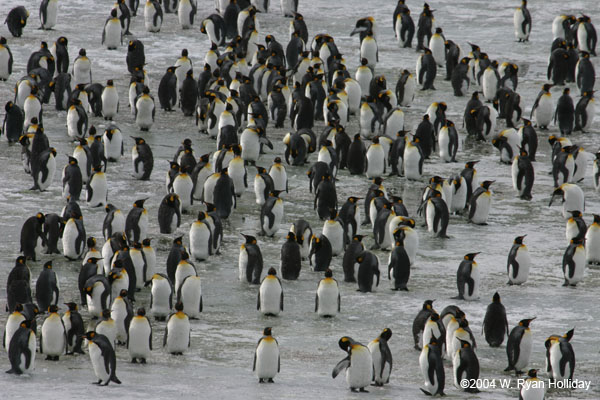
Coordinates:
x,y
519,346
522,22
139,337
560,356
468,278
22,349
177,337
382,357
574,262
270,295
266,357
104,360
495,324
53,338
518,262
432,368
358,365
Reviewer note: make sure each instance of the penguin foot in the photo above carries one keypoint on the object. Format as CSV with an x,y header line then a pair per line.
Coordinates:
x,y
260,380
363,390
271,380
426,392
97,383
566,283
134,361
517,373
142,361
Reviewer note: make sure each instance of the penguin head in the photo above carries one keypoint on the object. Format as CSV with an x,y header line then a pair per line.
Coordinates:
x,y
139,140
471,164
532,373
89,335
267,331
18,307
328,273
464,344
272,272
91,242
93,260
525,322
26,324
428,305
201,216
291,237
386,334
596,218
139,203
48,265
496,298
178,240
123,293
575,213
486,184
249,239
184,255
113,13
106,314
547,87
358,238
584,54
578,241
345,343
72,306
53,309
146,89
519,239
557,192
462,322
471,256
82,52
434,316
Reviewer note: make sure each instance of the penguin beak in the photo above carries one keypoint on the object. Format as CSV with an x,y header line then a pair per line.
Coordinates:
x,y
358,30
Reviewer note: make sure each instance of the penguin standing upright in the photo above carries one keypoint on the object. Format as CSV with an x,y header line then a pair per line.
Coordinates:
x,y
572,197
327,300
47,288
139,337
542,107
382,357
31,234
523,175
103,358
167,89
522,22
6,60
358,364
399,262
585,111
592,240
142,159
122,312
186,11
82,69
465,366
424,27
495,324
200,238
426,70
437,214
468,278
153,16
73,239
112,140
114,221
519,346
266,357
112,35
480,204
53,338
162,296
413,159
291,262
368,266
74,329
574,261
97,188
136,223
432,368
14,118
144,109
376,158
250,261
177,337
560,356
518,262
189,93
22,348
270,295
183,187
97,290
